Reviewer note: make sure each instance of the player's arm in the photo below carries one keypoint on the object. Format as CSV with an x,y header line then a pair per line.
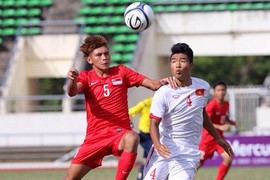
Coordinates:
x,y
222,127
73,87
207,124
133,111
154,133
231,122
155,84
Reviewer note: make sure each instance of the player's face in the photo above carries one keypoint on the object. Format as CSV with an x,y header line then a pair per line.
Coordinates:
x,y
180,66
100,58
220,92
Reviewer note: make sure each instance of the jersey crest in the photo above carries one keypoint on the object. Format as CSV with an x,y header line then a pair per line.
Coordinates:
x,y
117,81
199,92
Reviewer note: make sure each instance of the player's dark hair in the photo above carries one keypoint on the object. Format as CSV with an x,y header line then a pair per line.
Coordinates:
x,y
184,49
223,83
91,43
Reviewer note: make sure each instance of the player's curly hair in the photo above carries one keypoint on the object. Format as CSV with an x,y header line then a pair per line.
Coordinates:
x,y
91,43
184,49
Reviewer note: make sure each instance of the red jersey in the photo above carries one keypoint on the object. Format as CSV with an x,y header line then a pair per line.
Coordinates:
x,y
106,98
218,113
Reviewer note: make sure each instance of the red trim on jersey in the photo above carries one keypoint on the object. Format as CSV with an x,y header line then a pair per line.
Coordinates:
x,y
152,116
150,155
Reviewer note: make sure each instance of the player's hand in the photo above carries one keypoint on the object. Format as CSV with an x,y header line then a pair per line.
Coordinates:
x,y
226,146
169,80
163,150
73,73
232,122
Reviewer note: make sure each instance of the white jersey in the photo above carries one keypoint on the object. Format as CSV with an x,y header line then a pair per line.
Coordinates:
x,y
181,112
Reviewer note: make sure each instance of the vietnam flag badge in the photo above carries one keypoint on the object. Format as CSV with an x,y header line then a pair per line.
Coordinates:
x,y
199,92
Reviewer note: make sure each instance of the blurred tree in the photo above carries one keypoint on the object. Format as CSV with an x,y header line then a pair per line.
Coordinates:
x,y
244,70
51,86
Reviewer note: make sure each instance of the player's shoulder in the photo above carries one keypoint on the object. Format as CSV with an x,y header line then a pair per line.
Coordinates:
x,y
200,82
212,102
164,90
85,73
115,68
165,87
119,67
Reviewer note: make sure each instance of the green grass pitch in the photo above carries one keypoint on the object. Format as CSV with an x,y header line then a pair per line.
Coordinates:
x,y
235,173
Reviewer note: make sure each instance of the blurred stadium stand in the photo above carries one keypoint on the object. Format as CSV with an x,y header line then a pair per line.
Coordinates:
x,y
46,34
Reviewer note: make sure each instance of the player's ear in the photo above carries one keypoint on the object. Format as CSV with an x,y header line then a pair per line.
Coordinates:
x,y
89,59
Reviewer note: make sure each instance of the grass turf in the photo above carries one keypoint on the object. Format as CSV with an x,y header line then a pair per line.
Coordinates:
x,y
235,173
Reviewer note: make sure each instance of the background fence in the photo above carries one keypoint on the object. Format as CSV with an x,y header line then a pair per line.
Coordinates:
x,y
243,104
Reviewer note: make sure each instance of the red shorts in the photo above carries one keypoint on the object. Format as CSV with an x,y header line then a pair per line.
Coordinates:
x,y
208,148
96,146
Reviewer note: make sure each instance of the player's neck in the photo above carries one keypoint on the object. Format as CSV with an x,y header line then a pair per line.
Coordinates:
x,y
220,101
101,73
184,82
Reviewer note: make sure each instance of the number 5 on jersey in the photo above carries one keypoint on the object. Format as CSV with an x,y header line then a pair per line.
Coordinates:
x,y
106,90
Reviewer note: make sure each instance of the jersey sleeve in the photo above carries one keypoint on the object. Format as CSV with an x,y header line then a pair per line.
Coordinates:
x,y
210,109
82,78
202,87
158,106
207,93
132,77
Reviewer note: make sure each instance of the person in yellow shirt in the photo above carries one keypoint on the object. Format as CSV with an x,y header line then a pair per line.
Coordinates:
x,y
143,109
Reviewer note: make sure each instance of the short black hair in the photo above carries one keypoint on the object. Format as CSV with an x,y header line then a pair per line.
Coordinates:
x,y
221,82
184,49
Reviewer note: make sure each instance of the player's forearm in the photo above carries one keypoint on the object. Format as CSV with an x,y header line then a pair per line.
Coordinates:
x,y
72,87
216,126
156,84
154,133
222,127
153,84
155,138
211,130
231,122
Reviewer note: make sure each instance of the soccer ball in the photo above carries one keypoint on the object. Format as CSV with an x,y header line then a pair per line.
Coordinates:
x,y
139,16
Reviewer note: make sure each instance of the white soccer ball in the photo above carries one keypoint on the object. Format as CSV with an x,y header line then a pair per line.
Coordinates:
x,y
139,16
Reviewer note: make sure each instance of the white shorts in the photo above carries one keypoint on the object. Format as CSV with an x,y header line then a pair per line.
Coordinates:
x,y
181,165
